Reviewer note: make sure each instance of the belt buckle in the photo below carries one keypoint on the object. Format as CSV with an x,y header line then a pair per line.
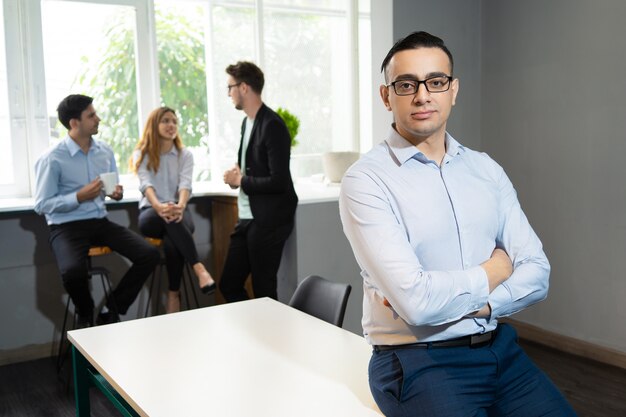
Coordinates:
x,y
479,339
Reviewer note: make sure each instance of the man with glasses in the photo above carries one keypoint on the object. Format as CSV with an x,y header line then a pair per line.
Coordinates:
x,y
267,200
445,250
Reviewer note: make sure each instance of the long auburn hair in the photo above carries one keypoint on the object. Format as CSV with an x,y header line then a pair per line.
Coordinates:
x,y
150,143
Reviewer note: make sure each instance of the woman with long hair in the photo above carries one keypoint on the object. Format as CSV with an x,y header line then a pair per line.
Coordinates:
x,y
164,167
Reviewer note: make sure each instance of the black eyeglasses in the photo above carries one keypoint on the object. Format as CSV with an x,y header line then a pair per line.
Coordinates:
x,y
232,85
437,84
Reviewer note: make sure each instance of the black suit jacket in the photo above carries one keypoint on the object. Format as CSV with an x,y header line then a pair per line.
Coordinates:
x,y
267,178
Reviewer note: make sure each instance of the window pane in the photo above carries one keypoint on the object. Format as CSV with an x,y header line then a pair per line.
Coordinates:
x,y
6,159
228,49
180,28
90,49
308,74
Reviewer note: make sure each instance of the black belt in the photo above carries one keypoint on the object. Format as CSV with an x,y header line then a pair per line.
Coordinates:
x,y
475,340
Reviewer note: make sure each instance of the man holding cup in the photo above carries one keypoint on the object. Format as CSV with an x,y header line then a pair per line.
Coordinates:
x,y
72,180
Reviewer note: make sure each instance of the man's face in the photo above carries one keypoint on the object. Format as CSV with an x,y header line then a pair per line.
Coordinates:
x,y
422,115
88,123
234,92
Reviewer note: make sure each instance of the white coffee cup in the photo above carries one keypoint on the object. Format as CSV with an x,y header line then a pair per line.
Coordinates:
x,y
109,180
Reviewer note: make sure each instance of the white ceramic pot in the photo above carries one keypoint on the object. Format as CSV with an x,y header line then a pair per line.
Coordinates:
x,y
336,163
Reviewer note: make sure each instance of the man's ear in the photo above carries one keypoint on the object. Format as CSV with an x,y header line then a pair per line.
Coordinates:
x,y
384,95
455,90
74,123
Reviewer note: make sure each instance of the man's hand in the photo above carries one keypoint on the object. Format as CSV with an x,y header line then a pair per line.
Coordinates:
x,y
118,194
89,191
484,312
498,268
233,177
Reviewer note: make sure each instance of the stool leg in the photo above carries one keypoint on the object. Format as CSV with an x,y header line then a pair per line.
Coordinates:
x,y
108,289
185,290
189,273
157,296
61,355
150,291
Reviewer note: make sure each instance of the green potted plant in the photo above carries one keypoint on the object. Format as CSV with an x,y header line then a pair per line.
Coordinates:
x,y
292,122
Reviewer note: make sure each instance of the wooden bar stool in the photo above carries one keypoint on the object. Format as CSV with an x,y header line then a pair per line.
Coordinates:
x,y
186,280
106,287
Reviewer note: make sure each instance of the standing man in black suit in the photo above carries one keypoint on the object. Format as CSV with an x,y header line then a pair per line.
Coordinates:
x,y
267,200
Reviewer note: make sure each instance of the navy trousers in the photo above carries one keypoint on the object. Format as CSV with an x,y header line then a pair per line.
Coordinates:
x,y
496,380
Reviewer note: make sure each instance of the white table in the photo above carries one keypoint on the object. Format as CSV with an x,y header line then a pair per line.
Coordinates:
x,y
252,358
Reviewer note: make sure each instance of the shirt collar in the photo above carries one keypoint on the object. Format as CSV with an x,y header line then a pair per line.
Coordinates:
x,y
73,146
404,150
173,151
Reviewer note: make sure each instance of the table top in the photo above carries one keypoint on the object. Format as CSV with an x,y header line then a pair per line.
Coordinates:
x,y
252,358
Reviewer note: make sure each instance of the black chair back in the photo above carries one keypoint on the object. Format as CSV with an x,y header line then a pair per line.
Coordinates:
x,y
322,298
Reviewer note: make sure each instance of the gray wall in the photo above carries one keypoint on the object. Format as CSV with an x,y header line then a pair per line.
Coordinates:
x,y
554,117
322,249
458,23
551,111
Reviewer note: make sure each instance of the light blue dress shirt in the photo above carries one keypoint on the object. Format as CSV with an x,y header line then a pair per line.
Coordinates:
x,y
62,171
175,173
419,233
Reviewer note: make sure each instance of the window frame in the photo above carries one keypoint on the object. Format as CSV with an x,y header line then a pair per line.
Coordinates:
x,y
27,88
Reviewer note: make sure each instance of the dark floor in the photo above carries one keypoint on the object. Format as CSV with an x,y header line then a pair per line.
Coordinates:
x,y
33,388
30,389
594,389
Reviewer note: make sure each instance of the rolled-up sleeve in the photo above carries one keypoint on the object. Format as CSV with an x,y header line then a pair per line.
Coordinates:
x,y
143,174
185,175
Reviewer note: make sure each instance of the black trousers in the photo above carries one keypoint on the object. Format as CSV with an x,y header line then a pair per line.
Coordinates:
x,y
70,244
178,244
253,250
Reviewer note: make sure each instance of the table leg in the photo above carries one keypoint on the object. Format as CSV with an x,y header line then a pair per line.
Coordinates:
x,y
81,384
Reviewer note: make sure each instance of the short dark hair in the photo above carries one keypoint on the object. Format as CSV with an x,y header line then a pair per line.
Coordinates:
x,y
71,107
414,41
249,73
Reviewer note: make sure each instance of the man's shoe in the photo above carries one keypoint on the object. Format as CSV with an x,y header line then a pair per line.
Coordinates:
x,y
107,318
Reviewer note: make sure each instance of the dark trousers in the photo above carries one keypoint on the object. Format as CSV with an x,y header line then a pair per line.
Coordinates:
x,y
497,380
178,244
253,250
70,244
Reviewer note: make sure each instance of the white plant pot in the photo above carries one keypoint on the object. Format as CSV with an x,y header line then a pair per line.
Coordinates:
x,y
336,164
